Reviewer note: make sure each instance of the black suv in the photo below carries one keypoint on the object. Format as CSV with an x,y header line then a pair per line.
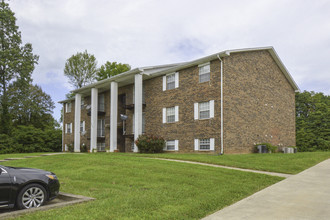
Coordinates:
x,y
26,188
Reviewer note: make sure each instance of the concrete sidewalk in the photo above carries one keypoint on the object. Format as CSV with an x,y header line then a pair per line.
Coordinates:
x,y
225,167
302,196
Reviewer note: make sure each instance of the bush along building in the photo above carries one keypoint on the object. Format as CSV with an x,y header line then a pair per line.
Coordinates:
x,y
223,103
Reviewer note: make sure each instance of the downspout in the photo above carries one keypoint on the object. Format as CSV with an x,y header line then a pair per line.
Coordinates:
x,y
221,103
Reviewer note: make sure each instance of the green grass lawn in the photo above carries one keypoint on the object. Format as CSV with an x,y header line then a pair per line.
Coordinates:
x,y
130,187
281,163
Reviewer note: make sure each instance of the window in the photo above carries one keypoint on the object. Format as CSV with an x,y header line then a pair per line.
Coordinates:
x,y
82,126
171,81
204,110
204,72
68,128
171,114
68,107
100,127
143,122
101,146
204,144
82,103
172,145
100,103
133,123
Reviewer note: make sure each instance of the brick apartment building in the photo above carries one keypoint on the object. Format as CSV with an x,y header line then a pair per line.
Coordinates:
x,y
223,103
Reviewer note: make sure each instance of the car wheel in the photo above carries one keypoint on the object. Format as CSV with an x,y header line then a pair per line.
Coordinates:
x,y
31,196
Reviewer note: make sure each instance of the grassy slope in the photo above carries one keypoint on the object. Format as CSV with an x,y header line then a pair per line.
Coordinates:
x,y
17,155
282,163
129,187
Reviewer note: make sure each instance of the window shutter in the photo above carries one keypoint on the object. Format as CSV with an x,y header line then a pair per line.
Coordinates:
x,y
211,108
176,80
71,128
176,147
83,125
176,113
196,111
164,83
211,143
164,115
196,144
165,146
66,128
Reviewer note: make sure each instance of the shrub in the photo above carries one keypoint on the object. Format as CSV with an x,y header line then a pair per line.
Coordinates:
x,y
70,147
7,144
150,144
83,148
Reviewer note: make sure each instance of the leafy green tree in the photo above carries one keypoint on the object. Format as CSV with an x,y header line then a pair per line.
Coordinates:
x,y
312,121
81,69
111,69
17,61
31,106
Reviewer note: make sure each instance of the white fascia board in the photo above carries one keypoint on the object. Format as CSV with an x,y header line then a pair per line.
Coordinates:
x,y
106,82
284,70
66,101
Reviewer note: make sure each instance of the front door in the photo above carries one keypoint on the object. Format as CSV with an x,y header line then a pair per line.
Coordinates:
x,y
5,187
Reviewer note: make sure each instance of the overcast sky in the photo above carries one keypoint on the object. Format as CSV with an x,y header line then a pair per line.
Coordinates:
x,y
152,32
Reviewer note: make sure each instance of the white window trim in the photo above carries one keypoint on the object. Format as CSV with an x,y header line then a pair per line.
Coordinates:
x,y
176,114
196,110
176,81
176,147
197,145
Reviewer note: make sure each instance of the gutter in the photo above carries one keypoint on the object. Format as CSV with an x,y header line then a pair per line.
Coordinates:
x,y
113,78
221,103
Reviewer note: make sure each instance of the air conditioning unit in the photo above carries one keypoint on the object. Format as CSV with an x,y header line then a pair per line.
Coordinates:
x,y
288,150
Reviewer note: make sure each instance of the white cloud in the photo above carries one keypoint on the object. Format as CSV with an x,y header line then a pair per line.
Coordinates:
x,y
151,32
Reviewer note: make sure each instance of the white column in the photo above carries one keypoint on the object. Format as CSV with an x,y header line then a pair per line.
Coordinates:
x,y
113,116
94,104
77,113
138,86
63,127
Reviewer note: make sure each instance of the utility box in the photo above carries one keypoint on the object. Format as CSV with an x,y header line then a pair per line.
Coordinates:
x,y
289,150
262,149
